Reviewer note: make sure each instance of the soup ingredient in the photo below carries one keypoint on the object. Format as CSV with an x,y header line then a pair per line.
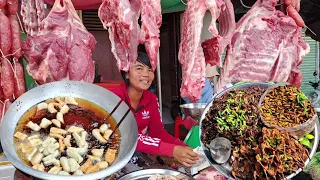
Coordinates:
x,y
20,136
33,126
42,106
61,150
96,134
286,106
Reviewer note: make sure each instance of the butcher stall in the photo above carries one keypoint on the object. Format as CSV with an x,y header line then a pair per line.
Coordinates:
x,y
59,119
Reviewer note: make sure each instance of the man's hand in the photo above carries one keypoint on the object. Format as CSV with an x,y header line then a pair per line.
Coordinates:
x,y
185,155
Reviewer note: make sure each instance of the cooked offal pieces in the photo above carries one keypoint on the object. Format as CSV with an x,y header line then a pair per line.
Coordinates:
x,y
37,158
94,158
20,136
54,170
65,164
39,167
73,154
56,123
110,155
107,134
66,141
103,128
63,173
42,106
86,165
52,107
45,123
65,109
79,141
60,117
33,126
103,164
97,135
78,173
76,129
97,152
70,100
80,151
74,166
55,130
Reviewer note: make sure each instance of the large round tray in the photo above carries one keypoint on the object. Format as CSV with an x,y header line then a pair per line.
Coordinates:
x,y
146,173
226,169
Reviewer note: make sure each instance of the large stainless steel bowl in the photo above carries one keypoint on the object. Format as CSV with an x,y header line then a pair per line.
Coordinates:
x,y
87,91
226,169
193,110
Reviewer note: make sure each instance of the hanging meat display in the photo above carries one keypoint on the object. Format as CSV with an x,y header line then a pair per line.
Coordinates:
x,y
191,53
120,18
12,83
266,46
58,47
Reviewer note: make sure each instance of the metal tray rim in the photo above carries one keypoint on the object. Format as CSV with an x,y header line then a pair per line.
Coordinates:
x,y
135,175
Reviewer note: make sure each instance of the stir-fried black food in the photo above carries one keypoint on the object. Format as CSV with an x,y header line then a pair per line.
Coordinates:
x,y
235,116
257,153
279,154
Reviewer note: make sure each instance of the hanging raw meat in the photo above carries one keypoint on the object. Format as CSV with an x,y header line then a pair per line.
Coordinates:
x,y
15,49
7,79
32,13
266,46
5,35
19,83
12,7
60,47
150,33
120,17
191,54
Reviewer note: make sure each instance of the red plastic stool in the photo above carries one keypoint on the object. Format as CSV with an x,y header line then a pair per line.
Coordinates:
x,y
177,124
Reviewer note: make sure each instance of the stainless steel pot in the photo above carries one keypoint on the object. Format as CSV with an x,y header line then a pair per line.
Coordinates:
x,y
87,91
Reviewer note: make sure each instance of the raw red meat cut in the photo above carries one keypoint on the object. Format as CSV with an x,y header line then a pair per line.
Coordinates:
x,y
12,7
267,46
62,50
191,55
120,17
5,35
7,79
3,3
151,21
19,83
209,174
15,37
32,13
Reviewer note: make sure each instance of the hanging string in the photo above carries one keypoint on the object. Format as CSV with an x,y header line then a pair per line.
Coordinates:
x,y
183,2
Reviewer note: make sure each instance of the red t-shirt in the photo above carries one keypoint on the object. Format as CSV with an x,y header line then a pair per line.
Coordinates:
x,y
152,137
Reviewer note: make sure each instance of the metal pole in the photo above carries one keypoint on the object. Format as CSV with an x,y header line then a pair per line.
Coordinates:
x,y
159,84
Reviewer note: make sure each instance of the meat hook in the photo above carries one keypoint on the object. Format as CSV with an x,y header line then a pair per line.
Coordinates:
x,y
241,1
